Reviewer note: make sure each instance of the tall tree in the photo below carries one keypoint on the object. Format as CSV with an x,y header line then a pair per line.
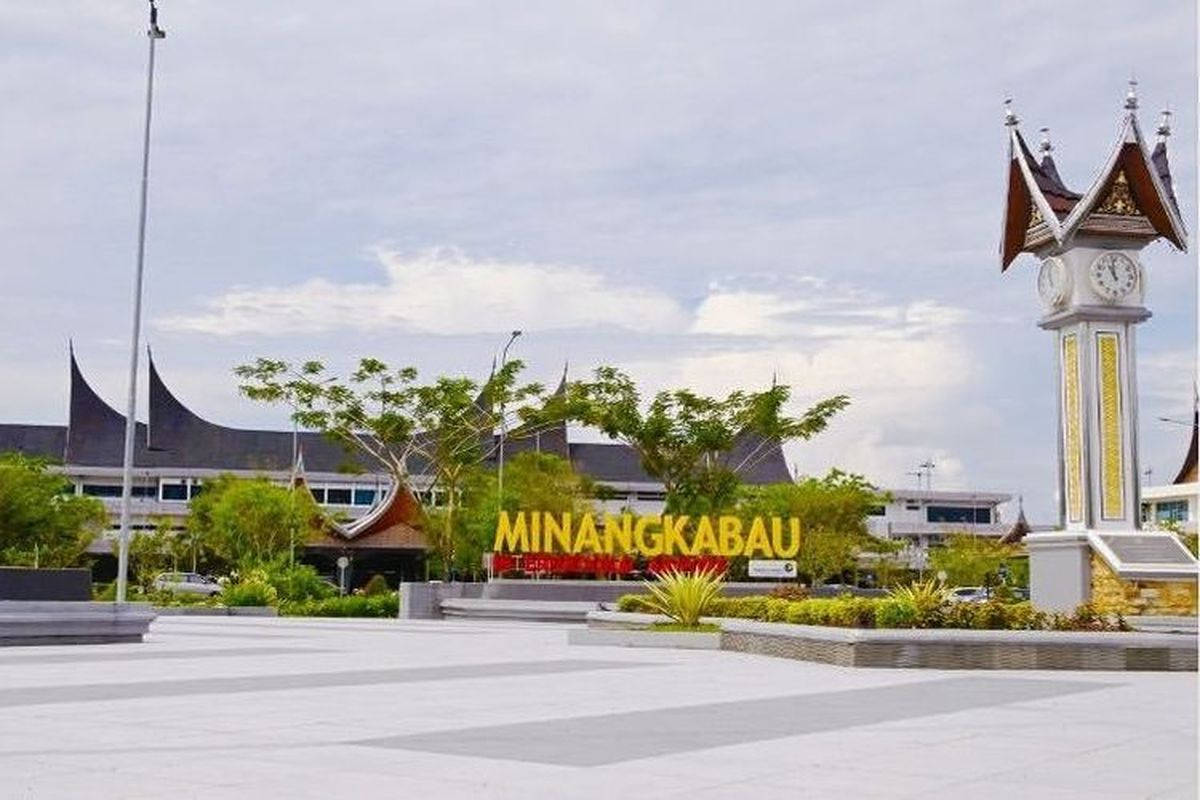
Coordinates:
x,y
686,440
833,514
250,522
444,428
42,522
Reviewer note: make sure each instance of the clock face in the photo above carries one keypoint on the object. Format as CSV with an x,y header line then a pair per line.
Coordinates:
x,y
1054,282
1114,275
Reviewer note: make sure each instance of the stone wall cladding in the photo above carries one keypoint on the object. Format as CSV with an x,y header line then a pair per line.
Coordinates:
x,y
1114,595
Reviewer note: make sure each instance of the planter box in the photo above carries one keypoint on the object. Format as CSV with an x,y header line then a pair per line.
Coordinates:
x,y
206,611
21,583
936,649
47,622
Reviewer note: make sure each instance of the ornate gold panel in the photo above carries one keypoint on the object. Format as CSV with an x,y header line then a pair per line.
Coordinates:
x,y
1120,200
1112,468
1072,429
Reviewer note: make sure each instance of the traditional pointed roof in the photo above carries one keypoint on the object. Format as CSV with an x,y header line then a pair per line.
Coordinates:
x,y
1019,529
186,439
1037,202
394,523
1130,198
95,430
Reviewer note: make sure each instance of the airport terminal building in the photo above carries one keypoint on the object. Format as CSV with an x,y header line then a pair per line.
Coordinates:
x,y
176,451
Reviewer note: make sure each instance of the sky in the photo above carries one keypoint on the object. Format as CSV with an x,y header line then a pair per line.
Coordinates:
x,y
705,194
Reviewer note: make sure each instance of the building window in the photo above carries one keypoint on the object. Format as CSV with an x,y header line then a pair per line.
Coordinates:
x,y
174,492
196,488
318,493
877,511
111,490
337,497
364,497
963,514
1171,511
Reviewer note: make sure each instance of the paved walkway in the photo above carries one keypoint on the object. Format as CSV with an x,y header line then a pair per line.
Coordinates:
x,y
259,708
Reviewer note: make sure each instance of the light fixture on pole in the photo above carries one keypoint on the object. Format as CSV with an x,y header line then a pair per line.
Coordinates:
x,y
153,33
503,426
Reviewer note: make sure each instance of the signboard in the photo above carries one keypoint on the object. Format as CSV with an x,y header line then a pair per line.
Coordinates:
x,y
620,544
772,568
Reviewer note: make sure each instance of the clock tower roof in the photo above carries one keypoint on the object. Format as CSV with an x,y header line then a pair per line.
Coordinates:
x,y
1131,198
1038,200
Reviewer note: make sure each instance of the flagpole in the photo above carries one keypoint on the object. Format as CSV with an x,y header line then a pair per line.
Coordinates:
x,y
154,33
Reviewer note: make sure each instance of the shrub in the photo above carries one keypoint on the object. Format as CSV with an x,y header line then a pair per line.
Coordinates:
x,y
383,606
929,598
254,589
299,582
752,607
634,604
376,586
685,596
895,612
777,610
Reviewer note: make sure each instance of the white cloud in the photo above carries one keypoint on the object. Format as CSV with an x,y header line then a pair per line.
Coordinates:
x,y
440,291
811,307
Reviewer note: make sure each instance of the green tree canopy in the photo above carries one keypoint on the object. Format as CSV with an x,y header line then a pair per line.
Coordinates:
x,y
686,440
393,422
41,519
532,482
250,522
970,560
833,519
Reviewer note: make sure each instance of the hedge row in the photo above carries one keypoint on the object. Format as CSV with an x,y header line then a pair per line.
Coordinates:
x,y
384,606
895,612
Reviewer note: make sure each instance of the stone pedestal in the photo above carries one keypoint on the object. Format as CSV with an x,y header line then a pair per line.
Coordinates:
x,y
1060,570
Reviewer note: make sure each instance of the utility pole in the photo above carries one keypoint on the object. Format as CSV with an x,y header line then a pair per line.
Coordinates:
x,y
154,33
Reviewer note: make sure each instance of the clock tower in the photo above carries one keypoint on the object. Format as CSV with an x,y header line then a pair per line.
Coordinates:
x,y
1092,287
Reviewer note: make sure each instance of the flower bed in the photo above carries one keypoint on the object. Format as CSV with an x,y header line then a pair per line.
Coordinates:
x,y
895,612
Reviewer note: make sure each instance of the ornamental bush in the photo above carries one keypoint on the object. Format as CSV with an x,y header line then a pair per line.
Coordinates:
x,y
899,610
299,582
381,606
377,585
253,589
895,612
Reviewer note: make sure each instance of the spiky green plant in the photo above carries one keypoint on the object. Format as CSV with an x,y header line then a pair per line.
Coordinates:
x,y
685,596
926,597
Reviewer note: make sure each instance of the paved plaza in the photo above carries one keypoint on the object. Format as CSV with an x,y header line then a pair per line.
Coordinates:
x,y
279,708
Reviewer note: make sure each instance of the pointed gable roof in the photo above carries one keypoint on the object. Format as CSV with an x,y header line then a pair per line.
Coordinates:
x,y
95,430
1037,200
393,524
1129,197
185,439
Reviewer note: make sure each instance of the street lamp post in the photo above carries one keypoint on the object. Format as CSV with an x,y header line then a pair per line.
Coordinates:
x,y
154,33
503,427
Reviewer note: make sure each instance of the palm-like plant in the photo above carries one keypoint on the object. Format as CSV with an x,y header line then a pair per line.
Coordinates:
x,y
685,596
925,597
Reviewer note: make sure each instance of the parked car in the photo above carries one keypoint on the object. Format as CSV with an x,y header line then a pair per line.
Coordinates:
x,y
186,583
969,594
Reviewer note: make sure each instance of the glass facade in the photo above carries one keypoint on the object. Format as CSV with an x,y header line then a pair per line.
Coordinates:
x,y
964,514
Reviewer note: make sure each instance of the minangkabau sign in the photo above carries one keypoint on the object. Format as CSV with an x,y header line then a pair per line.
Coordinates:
x,y
536,541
